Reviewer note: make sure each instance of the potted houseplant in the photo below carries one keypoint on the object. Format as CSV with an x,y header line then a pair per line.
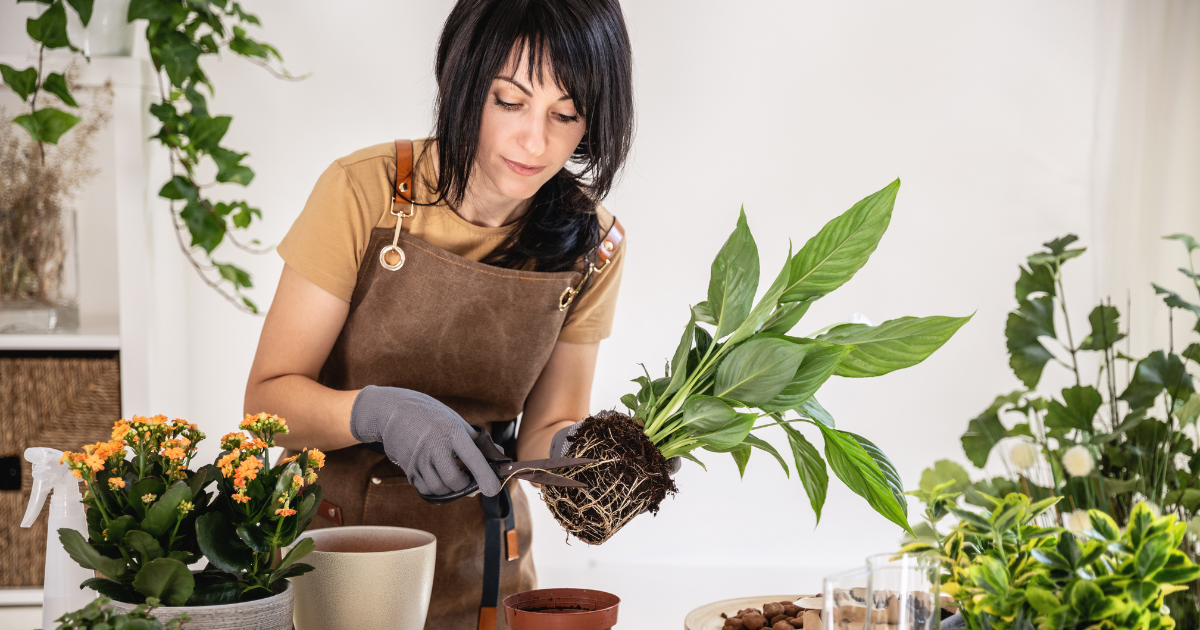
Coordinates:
x,y
150,516
721,383
98,615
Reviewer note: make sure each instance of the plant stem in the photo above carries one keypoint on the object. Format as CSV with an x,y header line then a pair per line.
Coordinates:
x,y
33,101
1062,302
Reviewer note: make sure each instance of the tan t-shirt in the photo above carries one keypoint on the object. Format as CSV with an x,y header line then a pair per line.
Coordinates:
x,y
329,239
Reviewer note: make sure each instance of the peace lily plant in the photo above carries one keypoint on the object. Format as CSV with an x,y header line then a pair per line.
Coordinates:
x,y
744,372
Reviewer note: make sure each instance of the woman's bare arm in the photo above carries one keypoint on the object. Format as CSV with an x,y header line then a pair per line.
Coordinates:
x,y
560,397
300,329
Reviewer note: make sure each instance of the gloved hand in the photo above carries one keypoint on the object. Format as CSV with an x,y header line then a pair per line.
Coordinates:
x,y
559,446
422,436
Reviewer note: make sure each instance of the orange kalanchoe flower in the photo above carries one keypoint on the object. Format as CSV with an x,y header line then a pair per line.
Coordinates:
x,y
247,471
316,459
120,429
285,512
241,497
116,482
174,452
226,462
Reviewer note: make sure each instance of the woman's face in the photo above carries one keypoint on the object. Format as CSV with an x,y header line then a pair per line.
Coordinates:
x,y
528,131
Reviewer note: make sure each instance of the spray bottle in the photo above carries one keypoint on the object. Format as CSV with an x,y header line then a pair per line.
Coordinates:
x,y
63,575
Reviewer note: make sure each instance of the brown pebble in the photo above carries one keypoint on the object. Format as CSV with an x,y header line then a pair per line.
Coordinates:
x,y
734,623
776,619
771,610
745,611
754,621
791,610
812,620
783,625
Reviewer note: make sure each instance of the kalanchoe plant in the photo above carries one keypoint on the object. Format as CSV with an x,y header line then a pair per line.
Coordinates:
x,y
723,380
97,615
150,516
1007,572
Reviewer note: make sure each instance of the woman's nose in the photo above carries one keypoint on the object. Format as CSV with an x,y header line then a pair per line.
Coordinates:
x,y
533,135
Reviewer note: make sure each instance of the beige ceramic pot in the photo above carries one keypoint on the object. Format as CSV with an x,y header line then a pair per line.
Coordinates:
x,y
366,577
272,613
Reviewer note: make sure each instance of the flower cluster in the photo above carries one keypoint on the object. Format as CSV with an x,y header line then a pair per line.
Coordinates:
x,y
242,462
264,426
85,465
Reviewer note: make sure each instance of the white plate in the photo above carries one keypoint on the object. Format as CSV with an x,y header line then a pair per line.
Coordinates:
x,y
708,616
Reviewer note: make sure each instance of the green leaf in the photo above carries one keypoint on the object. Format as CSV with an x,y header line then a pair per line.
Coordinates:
x,y
679,361
986,430
1103,526
741,456
57,85
164,512
1080,409
1173,300
179,188
942,471
111,589
786,316
731,435
1153,553
1142,592
829,259
23,82
989,573
118,528
50,28
168,580
301,549
219,543
757,370
1192,352
1036,279
179,57
1086,598
813,410
47,124
1042,600
86,555
144,544
734,279
1058,246
294,570
1188,242
890,474
255,538
153,10
1157,373
207,231
762,445
858,470
235,275
810,467
307,508
83,8
1106,329
630,401
818,364
207,132
704,314
705,413
765,307
892,345
1027,355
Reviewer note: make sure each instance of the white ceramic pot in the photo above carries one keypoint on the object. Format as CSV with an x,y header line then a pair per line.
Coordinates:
x,y
107,33
272,613
366,577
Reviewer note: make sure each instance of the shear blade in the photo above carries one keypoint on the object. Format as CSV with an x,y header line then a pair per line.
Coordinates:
x,y
549,479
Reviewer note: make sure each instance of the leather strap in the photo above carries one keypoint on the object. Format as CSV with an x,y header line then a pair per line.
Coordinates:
x,y
404,171
498,512
611,240
330,511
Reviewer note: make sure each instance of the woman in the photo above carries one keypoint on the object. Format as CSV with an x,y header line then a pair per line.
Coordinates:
x,y
463,286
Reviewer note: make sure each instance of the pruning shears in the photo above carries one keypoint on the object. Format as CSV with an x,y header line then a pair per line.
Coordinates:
x,y
535,470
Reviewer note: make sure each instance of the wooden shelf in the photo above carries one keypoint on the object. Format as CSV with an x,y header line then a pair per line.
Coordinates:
x,y
20,596
86,338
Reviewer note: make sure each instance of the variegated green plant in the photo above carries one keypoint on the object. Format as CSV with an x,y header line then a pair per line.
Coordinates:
x,y
722,380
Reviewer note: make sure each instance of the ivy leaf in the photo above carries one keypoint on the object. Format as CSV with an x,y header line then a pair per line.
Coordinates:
x,y
1081,405
229,170
1188,241
733,279
206,133
56,84
1173,300
858,470
829,259
179,188
1027,355
1157,373
148,10
810,467
50,28
83,8
207,231
235,275
1105,329
47,124
23,82
892,345
178,55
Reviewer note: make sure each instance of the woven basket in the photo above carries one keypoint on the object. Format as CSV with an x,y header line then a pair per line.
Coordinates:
x,y
57,399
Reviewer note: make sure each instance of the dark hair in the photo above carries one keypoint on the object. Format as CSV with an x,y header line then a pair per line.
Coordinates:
x,y
588,48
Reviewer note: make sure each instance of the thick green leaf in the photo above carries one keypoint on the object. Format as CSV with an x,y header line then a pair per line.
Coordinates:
x,y
1142,592
731,435
786,316
214,592
705,413
1080,409
255,538
856,468
56,84
810,467
306,509
887,468
1153,553
164,512
741,456
23,82
1106,329
813,410
758,369
892,345
1037,279
1103,526
168,580
1042,600
112,589
1157,373
704,314
1188,241
679,370
734,279
47,124
762,445
118,527
829,259
762,311
144,544
1027,355
819,363
1174,300
50,28
1086,598
942,471
986,430
301,549
294,570
220,544
86,555
990,574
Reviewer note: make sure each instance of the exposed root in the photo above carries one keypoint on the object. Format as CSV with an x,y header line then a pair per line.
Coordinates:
x,y
631,476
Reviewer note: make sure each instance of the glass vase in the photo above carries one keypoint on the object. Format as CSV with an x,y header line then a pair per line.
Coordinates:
x,y
39,273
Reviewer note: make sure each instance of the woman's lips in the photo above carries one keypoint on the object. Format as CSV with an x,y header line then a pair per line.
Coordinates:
x,y
522,169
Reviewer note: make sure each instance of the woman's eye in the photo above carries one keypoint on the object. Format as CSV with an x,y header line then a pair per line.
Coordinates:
x,y
567,119
504,104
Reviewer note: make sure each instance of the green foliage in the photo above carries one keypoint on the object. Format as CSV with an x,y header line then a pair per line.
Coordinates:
x,y
1004,571
49,30
97,615
748,362
150,516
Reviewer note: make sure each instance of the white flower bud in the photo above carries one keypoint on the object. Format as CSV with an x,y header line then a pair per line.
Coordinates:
x,y
1078,521
1023,455
1078,461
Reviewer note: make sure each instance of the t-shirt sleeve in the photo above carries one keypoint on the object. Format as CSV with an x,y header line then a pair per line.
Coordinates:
x,y
590,317
326,242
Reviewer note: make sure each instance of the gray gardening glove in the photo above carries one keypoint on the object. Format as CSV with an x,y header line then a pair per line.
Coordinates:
x,y
559,446
422,436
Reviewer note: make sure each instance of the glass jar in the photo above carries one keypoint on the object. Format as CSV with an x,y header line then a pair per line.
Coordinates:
x,y
39,273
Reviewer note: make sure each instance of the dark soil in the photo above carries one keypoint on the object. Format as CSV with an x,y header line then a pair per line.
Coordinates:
x,y
638,456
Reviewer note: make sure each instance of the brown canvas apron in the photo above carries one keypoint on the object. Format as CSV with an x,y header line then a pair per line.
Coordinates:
x,y
475,337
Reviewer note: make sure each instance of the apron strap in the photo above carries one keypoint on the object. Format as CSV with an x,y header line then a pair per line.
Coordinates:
x,y
604,252
499,514
404,173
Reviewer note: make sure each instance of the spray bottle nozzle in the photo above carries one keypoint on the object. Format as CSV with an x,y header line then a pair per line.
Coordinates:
x,y
48,474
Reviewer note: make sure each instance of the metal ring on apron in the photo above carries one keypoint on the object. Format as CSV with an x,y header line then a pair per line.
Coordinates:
x,y
395,246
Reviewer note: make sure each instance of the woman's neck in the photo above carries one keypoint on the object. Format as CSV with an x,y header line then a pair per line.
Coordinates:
x,y
485,206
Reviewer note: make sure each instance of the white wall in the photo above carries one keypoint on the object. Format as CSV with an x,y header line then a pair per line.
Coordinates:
x,y
986,110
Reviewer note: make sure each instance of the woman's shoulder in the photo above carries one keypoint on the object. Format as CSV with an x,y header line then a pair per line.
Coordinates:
x,y
377,158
